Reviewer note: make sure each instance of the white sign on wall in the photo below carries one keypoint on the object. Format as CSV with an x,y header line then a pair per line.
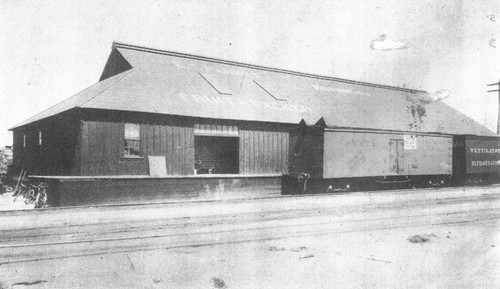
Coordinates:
x,y
410,142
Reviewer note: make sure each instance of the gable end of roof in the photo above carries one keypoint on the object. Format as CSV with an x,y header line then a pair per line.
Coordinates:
x,y
116,64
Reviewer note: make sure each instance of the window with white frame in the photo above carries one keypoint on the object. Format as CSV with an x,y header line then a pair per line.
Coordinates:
x,y
40,138
132,139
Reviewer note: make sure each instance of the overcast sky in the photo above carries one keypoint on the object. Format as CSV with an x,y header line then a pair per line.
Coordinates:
x,y
50,50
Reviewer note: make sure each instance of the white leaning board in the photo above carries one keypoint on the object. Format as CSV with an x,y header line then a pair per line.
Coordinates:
x,y
157,166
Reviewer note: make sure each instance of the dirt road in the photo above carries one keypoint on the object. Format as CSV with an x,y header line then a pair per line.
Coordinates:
x,y
447,238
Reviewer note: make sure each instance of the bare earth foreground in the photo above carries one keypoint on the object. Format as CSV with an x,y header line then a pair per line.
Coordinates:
x,y
445,238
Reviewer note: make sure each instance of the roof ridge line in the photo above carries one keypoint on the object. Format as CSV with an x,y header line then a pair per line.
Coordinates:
x,y
259,67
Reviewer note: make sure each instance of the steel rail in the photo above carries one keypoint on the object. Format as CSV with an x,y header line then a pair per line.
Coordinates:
x,y
285,235
227,219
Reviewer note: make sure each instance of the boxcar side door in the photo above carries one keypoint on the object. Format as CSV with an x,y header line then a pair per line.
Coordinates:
x,y
396,156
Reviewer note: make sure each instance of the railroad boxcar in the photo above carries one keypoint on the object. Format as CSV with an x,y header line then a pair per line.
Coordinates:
x,y
329,159
476,159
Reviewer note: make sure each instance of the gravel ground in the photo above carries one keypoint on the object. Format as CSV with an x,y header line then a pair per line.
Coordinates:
x,y
468,258
7,203
447,238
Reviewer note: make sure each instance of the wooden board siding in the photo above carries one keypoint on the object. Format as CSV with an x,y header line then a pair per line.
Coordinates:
x,y
263,149
346,154
482,155
210,129
20,154
57,153
103,141
92,142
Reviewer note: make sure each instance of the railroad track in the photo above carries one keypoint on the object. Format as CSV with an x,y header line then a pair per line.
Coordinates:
x,y
217,230
267,205
62,231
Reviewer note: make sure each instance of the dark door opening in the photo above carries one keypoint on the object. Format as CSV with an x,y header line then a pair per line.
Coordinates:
x,y
216,155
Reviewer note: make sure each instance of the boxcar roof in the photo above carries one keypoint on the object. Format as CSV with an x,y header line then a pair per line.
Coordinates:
x,y
147,80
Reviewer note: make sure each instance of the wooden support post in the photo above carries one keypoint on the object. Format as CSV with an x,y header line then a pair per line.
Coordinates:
x,y
21,175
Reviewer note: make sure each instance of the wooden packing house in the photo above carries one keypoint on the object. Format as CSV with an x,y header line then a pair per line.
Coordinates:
x,y
160,124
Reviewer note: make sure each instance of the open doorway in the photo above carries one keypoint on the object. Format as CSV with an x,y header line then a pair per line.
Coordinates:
x,y
216,155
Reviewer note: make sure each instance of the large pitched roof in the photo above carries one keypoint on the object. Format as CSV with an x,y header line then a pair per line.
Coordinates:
x,y
77,100
155,81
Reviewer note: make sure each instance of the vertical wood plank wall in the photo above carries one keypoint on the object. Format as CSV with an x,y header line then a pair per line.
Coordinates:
x,y
55,156
263,149
103,143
